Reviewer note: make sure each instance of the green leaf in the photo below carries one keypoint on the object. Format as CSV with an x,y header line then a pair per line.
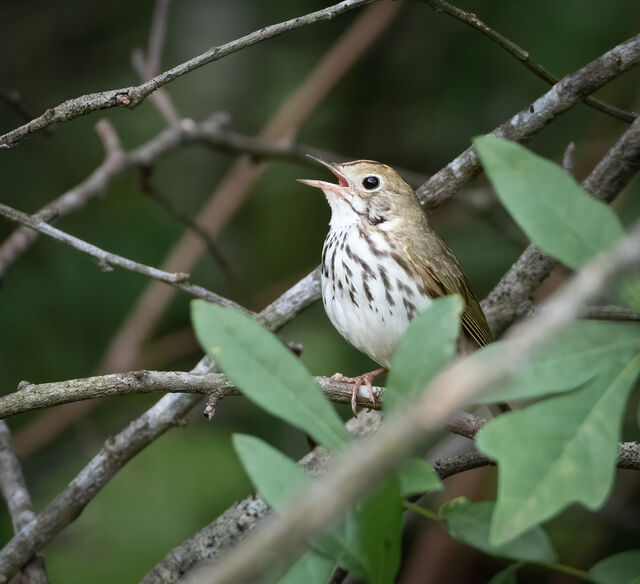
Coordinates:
x,y
556,452
274,475
311,568
418,476
381,533
506,576
277,477
426,346
573,357
622,568
552,209
470,523
266,371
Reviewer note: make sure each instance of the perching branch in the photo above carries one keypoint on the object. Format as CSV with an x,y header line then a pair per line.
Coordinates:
x,y
523,56
30,396
131,97
563,95
361,466
14,489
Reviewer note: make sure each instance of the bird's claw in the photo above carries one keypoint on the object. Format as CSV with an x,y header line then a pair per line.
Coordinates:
x,y
367,379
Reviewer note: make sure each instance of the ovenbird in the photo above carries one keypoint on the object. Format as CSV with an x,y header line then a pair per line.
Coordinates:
x,y
382,263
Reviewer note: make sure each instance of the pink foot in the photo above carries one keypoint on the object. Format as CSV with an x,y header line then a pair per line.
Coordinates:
x,y
367,379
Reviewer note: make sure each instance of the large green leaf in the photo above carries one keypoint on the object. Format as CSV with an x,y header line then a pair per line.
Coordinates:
x,y
277,477
381,533
266,371
470,523
552,209
574,356
418,476
622,568
426,346
556,452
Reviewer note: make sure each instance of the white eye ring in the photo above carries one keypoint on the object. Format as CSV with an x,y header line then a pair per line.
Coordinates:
x,y
371,182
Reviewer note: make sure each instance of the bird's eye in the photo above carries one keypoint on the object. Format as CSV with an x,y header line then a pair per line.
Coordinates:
x,y
370,182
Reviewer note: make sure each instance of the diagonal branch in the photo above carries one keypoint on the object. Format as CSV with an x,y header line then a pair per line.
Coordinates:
x,y
14,489
523,56
107,260
569,91
133,96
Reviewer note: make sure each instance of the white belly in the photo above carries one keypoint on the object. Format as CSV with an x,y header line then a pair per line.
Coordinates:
x,y
369,298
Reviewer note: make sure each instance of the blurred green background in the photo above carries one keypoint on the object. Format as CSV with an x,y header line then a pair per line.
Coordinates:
x,y
425,88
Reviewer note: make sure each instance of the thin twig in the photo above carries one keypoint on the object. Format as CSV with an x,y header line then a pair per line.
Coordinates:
x,y
12,98
523,56
157,35
147,187
562,96
14,489
131,97
148,66
363,465
106,260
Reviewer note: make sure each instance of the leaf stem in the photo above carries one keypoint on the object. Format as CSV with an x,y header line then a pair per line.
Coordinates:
x,y
422,511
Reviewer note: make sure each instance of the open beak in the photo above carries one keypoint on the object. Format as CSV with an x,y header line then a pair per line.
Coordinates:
x,y
334,167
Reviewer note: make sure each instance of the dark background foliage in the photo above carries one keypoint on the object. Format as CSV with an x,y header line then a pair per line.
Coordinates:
x,y
427,86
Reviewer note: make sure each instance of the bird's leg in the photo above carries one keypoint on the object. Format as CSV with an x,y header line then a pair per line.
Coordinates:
x,y
367,379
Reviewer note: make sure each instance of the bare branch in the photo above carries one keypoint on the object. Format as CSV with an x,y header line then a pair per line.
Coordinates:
x,y
14,489
523,56
107,259
131,97
512,295
363,465
563,95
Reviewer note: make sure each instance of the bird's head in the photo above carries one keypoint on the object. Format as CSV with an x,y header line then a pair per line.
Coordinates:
x,y
367,191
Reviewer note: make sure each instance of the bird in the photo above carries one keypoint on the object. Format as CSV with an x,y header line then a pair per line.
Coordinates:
x,y
382,263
